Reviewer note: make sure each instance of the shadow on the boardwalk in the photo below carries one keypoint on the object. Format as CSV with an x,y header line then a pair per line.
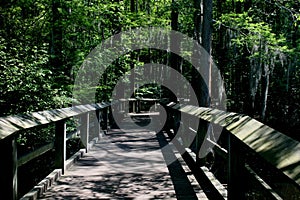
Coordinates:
x,y
114,186
125,165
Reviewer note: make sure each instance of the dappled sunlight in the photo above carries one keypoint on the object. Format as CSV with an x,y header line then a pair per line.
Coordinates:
x,y
278,149
12,124
125,164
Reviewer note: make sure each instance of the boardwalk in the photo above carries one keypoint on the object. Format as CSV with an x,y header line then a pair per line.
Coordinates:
x,y
127,164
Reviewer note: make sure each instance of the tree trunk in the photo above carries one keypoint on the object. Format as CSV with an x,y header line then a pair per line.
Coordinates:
x,y
56,43
174,44
265,89
201,85
206,43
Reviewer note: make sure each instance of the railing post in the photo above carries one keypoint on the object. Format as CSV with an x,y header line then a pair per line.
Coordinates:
x,y
8,169
85,129
138,106
134,106
168,123
200,146
97,123
104,122
60,145
111,121
236,170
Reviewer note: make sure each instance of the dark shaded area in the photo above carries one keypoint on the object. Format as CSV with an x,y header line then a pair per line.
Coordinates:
x,y
37,169
111,185
125,165
182,185
34,171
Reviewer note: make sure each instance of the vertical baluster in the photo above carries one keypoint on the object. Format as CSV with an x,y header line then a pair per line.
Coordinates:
x,y
138,105
104,122
110,117
60,145
97,123
84,130
8,169
236,170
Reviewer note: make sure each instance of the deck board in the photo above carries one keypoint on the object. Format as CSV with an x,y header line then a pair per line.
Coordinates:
x,y
127,164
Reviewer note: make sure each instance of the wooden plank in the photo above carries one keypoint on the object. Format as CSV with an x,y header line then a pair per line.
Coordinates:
x,y
202,174
9,169
60,145
140,99
236,170
32,155
269,193
143,114
72,134
85,129
12,124
278,149
43,185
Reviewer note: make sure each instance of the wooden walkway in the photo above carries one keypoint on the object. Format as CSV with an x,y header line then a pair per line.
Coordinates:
x,y
127,164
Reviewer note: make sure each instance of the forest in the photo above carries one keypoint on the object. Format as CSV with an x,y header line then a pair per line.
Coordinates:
x,y
254,43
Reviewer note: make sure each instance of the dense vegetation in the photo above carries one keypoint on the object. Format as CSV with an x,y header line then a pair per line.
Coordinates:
x,y
255,43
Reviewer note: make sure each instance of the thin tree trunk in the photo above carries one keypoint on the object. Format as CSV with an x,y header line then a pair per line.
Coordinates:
x,y
197,21
265,89
56,43
206,42
174,43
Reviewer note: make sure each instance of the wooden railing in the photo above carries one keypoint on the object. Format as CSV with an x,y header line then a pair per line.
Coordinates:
x,y
245,135
12,126
136,105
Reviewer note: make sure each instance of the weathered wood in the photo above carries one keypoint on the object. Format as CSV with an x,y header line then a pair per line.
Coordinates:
x,y
143,114
60,145
269,193
278,149
72,134
236,170
11,124
104,119
85,129
36,153
43,185
8,169
202,174
97,121
217,148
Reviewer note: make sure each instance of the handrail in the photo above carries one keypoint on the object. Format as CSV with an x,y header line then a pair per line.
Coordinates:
x,y
10,126
279,150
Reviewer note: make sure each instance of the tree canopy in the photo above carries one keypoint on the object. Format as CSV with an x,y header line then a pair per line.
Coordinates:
x,y
255,44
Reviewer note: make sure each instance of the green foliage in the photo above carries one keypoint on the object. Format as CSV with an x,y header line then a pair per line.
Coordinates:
x,y
257,41
251,33
262,33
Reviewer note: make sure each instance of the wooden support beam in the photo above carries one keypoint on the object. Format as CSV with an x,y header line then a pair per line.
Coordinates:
x,y
11,124
85,130
60,145
236,170
97,123
104,117
276,148
32,155
8,169
268,192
